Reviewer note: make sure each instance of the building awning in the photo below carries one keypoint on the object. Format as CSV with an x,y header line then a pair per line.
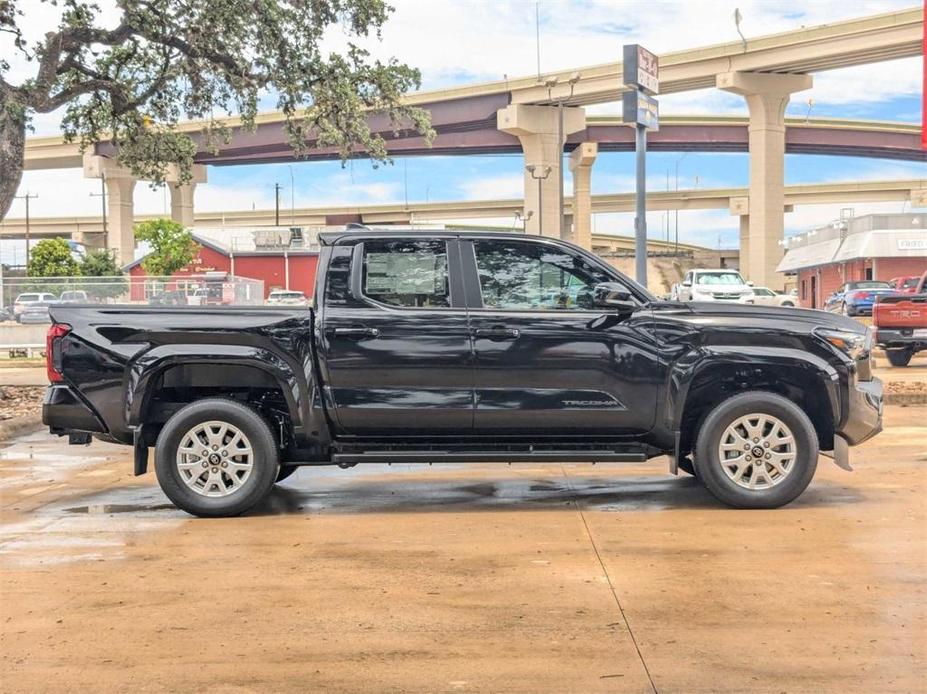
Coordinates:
x,y
884,243
813,254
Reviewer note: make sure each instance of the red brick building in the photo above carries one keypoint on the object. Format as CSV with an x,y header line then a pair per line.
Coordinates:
x,y
876,246
278,267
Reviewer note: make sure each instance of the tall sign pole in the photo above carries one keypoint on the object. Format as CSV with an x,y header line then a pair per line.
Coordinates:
x,y
640,74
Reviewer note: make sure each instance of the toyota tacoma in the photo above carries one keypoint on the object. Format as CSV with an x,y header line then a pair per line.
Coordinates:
x,y
463,347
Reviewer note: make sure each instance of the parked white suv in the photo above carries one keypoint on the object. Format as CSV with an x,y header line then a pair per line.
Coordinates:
x,y
714,285
24,301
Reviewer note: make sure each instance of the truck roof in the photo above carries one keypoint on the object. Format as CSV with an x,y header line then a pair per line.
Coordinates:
x,y
330,238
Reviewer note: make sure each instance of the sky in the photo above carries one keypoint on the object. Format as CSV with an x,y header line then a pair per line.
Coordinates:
x,y
464,41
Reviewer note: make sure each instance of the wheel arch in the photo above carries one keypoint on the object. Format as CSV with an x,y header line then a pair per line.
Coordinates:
x,y
697,387
227,367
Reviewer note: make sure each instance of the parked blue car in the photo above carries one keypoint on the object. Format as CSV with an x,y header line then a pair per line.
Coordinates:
x,y
857,298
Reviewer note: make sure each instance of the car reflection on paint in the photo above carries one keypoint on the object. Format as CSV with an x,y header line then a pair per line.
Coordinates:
x,y
286,297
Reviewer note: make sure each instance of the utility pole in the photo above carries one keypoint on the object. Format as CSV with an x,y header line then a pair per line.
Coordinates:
x,y
27,197
276,204
102,196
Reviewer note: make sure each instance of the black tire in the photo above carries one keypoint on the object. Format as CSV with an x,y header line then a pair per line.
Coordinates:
x,y
285,471
788,303
791,485
264,458
899,357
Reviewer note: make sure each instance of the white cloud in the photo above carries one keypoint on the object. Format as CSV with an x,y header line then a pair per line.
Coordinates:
x,y
495,187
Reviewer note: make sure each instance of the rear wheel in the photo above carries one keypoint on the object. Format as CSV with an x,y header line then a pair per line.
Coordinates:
x,y
756,450
899,357
216,457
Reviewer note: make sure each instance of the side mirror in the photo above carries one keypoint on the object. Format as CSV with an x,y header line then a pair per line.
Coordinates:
x,y
749,283
614,296
687,283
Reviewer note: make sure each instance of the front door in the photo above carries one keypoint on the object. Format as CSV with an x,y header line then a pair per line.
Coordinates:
x,y
543,364
395,346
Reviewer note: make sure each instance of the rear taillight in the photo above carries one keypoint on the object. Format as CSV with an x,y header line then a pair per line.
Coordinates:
x,y
53,351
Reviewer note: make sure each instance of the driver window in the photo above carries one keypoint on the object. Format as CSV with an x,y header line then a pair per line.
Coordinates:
x,y
526,276
407,273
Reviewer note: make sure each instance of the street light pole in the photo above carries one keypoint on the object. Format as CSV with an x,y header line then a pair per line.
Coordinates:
x,y
544,172
27,197
551,83
676,223
276,204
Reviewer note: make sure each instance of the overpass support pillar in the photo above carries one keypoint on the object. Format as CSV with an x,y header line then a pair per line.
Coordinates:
x,y
120,206
182,193
740,207
537,128
767,95
581,161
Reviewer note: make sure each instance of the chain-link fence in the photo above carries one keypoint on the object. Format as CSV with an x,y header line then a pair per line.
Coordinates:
x,y
25,299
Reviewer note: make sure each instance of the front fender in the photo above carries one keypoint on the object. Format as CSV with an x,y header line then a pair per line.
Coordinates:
x,y
705,362
142,371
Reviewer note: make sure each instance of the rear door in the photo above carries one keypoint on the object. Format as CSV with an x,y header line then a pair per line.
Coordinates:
x,y
543,365
394,342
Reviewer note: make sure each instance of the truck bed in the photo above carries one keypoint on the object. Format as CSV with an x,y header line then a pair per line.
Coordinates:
x,y
110,349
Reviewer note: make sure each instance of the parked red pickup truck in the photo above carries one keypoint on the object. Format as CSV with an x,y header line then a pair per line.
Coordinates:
x,y
900,321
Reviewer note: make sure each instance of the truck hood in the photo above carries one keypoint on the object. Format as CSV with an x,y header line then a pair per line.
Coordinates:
x,y
776,315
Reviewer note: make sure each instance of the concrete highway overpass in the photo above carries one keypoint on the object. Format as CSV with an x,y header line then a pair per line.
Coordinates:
x,y
515,115
735,200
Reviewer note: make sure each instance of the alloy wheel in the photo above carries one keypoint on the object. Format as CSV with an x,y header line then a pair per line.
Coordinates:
x,y
757,451
215,459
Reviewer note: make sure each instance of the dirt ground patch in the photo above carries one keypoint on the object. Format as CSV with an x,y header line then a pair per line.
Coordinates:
x,y
21,401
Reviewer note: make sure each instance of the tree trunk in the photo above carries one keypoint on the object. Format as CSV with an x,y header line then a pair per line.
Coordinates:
x,y
12,150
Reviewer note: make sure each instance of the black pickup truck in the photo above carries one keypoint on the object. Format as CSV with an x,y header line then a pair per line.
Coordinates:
x,y
453,347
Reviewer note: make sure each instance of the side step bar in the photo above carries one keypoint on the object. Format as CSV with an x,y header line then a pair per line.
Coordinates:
x,y
591,456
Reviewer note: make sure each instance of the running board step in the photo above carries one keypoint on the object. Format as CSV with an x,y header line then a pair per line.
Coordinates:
x,y
604,456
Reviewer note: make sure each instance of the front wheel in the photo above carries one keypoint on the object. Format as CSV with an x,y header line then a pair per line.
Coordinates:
x,y
756,450
899,357
216,457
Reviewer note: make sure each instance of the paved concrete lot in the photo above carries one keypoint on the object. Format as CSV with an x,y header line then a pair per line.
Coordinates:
x,y
466,578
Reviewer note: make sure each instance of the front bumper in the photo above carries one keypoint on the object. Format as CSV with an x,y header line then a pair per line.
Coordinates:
x,y
862,422
864,412
64,412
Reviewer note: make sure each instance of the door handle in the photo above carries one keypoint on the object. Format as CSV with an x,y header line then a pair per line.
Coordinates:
x,y
356,332
498,332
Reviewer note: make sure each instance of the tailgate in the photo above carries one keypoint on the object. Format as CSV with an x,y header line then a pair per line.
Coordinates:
x,y
901,311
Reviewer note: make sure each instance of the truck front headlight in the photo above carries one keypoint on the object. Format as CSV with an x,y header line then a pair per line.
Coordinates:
x,y
853,344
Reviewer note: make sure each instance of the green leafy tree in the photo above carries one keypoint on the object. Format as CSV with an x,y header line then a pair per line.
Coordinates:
x,y
103,278
127,81
172,246
52,258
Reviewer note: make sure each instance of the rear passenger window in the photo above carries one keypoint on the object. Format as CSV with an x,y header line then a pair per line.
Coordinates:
x,y
407,273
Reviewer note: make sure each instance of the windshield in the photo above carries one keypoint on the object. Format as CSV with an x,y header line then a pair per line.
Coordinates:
x,y
910,282
869,285
27,297
719,278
